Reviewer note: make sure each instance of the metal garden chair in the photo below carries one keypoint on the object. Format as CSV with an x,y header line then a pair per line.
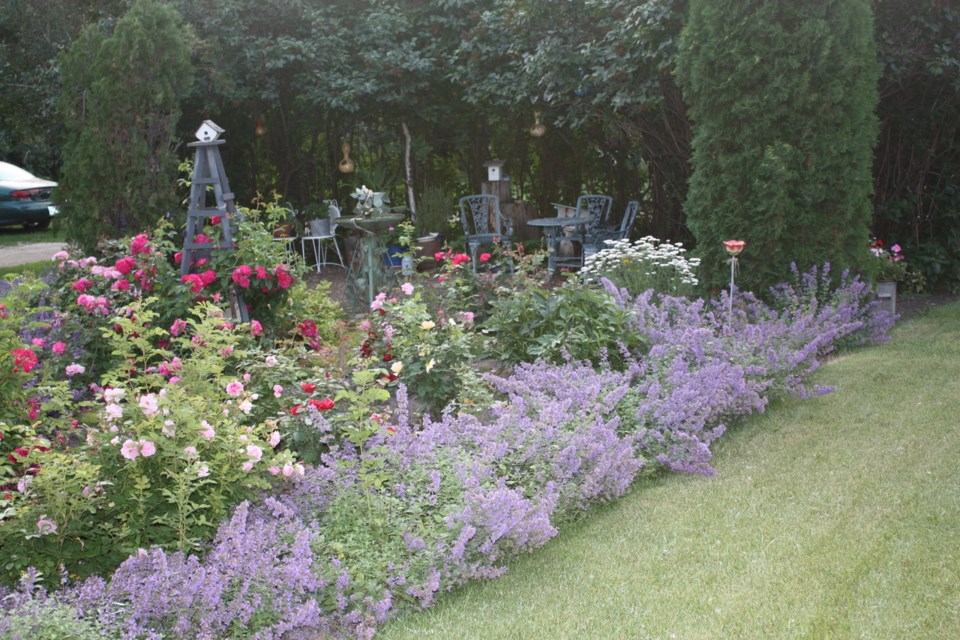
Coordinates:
x,y
483,222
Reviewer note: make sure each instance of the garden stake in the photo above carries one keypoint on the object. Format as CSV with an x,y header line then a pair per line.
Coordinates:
x,y
734,247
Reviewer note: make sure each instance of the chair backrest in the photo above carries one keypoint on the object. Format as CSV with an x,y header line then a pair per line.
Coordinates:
x,y
333,211
629,217
480,215
598,207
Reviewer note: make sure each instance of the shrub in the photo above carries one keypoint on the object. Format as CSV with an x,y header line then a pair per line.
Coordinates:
x,y
644,264
782,95
174,451
120,104
431,352
572,321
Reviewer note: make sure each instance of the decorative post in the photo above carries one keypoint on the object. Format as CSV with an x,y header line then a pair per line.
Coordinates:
x,y
208,172
734,248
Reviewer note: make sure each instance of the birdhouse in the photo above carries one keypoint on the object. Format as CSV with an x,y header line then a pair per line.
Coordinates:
x,y
493,170
208,131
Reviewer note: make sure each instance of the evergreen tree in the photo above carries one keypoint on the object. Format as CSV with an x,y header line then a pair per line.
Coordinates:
x,y
782,95
121,102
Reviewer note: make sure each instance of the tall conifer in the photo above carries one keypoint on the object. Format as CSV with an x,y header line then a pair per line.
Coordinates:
x,y
121,102
783,97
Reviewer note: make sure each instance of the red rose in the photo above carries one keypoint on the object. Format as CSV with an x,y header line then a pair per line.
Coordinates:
x,y
321,405
125,265
307,387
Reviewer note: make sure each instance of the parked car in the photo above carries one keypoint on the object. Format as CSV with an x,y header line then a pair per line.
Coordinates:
x,y
25,198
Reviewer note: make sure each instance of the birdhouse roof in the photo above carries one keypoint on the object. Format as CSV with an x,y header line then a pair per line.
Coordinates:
x,y
213,125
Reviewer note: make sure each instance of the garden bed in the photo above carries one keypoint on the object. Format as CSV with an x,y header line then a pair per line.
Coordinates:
x,y
269,480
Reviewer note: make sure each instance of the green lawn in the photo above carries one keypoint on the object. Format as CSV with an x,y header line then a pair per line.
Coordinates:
x,y
12,236
835,517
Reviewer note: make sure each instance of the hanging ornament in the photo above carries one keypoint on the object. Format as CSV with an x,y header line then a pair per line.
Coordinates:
x,y
346,165
538,129
259,127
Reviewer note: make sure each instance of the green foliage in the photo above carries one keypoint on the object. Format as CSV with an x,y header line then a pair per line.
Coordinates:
x,y
434,207
170,455
430,350
573,320
782,95
918,159
121,101
51,620
34,395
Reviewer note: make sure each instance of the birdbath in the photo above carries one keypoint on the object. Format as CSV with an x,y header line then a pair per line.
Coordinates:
x,y
370,245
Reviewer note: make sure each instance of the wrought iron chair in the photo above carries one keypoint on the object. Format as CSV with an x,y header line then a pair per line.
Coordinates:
x,y
597,208
482,222
603,232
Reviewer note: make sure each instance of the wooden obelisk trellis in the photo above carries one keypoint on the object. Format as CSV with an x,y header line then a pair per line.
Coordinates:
x,y
208,172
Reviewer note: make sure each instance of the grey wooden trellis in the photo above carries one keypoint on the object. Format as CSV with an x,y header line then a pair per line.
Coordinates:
x,y
208,172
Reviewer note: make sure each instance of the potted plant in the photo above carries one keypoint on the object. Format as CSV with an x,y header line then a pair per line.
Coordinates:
x,y
396,239
316,219
890,268
279,215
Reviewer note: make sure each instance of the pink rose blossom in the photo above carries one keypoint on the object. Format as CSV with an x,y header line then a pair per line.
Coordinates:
x,y
59,348
207,431
407,288
75,369
235,388
255,452
147,448
277,391
274,439
130,450
45,525
149,404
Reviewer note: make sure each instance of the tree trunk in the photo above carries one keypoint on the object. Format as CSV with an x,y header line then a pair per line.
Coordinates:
x,y
408,172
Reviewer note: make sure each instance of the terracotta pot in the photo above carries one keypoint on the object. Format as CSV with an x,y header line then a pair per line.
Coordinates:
x,y
284,231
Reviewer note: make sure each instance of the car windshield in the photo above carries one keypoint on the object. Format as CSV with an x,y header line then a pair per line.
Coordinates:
x,y
10,172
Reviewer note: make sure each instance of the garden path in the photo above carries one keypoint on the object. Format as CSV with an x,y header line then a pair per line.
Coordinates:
x,y
25,253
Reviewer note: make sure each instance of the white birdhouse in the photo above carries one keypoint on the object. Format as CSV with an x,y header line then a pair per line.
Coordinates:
x,y
208,131
493,170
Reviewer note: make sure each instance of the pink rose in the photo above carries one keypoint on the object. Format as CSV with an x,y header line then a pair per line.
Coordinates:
x,y
147,448
130,450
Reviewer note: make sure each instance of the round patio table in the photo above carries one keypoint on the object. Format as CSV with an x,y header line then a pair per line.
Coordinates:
x,y
553,229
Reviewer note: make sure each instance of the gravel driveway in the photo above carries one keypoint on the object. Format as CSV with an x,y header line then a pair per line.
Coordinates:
x,y
27,253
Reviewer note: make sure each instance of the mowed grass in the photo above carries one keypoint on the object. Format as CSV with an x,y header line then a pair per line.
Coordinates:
x,y
12,236
832,517
38,268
